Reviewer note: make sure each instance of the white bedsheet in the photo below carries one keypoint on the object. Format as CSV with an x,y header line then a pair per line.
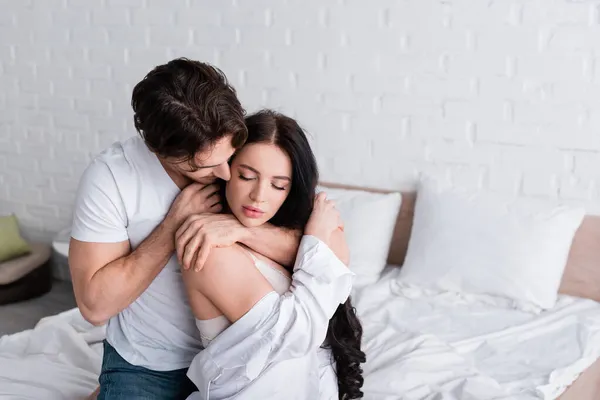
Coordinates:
x,y
418,345
425,346
59,359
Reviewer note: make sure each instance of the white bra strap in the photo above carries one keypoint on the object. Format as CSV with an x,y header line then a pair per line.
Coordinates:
x,y
249,253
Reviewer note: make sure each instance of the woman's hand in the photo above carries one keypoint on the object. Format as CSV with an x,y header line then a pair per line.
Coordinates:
x,y
324,219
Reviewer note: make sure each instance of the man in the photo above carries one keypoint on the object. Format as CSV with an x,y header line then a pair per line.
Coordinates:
x,y
131,200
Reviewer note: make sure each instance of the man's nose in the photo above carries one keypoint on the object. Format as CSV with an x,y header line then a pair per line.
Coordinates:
x,y
222,171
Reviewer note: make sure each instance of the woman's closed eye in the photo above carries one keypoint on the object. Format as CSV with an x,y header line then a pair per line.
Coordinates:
x,y
250,178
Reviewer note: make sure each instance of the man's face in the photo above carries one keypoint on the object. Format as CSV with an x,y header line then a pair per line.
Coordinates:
x,y
209,164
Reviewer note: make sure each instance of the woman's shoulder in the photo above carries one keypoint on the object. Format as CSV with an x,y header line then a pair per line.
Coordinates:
x,y
239,256
224,267
231,255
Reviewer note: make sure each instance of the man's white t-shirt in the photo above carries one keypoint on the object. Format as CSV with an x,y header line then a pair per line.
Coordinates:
x,y
123,195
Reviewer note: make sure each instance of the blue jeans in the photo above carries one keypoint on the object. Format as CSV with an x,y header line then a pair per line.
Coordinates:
x,y
120,380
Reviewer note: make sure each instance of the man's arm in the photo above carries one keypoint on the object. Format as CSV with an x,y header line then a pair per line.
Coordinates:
x,y
108,277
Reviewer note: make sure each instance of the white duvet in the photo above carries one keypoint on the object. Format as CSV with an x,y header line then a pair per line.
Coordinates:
x,y
59,359
419,346
431,346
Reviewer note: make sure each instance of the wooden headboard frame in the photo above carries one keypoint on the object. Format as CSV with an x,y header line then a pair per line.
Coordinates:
x,y
582,274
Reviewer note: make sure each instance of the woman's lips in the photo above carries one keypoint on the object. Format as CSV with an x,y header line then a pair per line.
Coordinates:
x,y
252,212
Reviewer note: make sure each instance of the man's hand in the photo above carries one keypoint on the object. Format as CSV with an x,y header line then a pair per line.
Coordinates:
x,y
201,232
196,198
324,219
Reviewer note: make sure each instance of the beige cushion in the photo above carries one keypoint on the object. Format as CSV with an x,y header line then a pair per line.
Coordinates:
x,y
15,269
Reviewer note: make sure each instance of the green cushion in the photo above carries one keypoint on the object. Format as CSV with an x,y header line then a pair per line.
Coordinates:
x,y
12,245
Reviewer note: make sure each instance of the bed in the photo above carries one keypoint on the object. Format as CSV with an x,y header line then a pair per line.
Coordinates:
x,y
419,345
580,287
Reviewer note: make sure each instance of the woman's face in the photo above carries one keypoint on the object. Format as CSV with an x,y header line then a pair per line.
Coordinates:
x,y
261,177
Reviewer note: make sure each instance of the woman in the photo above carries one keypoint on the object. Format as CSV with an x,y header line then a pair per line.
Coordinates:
x,y
273,180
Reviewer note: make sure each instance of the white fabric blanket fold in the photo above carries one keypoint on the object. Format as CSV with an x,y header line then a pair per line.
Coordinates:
x,y
444,346
59,359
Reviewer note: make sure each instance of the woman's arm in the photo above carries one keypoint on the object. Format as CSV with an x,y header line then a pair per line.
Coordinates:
x,y
277,244
339,246
201,233
281,245
268,328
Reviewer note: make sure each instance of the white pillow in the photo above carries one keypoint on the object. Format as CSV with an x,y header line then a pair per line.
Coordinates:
x,y
369,221
479,244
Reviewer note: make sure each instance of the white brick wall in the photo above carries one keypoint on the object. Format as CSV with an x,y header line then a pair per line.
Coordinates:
x,y
497,95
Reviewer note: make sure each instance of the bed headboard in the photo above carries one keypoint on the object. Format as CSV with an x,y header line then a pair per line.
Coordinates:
x,y
582,274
